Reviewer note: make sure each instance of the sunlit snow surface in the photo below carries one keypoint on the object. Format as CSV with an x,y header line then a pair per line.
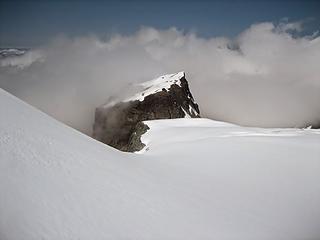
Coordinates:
x,y
157,85
200,179
187,129
151,87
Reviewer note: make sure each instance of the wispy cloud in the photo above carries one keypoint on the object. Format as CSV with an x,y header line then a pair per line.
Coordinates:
x,y
264,77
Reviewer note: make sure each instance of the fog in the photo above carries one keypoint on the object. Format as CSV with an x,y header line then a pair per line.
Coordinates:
x,y
267,76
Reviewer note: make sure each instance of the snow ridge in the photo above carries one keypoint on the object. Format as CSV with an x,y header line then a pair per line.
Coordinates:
x,y
157,85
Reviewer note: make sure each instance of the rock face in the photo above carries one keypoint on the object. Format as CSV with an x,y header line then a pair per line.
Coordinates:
x,y
120,125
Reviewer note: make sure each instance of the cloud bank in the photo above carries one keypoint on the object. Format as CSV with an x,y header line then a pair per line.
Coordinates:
x,y
268,76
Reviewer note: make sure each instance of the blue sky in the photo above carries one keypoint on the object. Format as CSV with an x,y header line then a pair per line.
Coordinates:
x,y
30,23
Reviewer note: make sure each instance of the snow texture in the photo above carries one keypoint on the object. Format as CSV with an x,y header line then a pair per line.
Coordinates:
x,y
200,179
152,86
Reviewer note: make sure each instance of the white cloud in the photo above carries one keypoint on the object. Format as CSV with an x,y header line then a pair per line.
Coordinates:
x,y
264,77
23,61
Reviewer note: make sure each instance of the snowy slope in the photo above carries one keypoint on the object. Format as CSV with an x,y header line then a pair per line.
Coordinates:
x,y
156,85
150,87
160,136
200,179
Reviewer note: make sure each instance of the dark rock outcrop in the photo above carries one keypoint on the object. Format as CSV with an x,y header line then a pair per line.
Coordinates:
x,y
166,97
135,143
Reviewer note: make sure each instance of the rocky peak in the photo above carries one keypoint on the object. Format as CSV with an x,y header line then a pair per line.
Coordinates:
x,y
166,97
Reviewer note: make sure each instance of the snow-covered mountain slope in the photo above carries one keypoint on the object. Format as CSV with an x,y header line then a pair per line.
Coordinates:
x,y
160,135
200,179
147,88
157,85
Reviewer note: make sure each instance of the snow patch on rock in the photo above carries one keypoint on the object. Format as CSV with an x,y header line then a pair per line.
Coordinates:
x,y
156,85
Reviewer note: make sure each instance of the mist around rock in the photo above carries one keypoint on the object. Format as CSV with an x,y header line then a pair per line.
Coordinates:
x,y
120,125
267,76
